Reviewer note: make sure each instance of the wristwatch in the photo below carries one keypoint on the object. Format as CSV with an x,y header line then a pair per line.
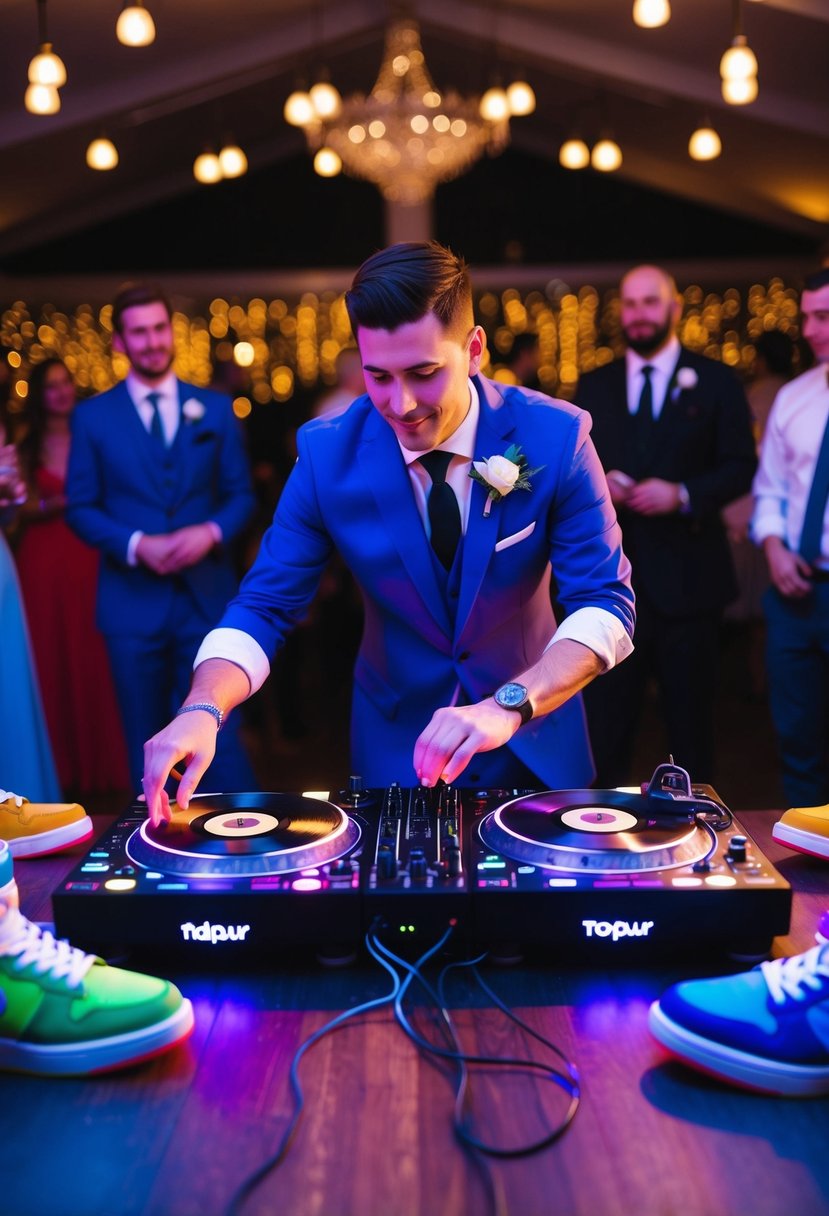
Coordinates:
x,y
515,696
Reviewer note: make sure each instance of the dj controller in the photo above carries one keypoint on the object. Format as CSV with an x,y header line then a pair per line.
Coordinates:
x,y
609,874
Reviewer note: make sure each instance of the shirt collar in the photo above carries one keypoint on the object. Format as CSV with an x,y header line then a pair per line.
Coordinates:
x,y
139,392
462,441
663,360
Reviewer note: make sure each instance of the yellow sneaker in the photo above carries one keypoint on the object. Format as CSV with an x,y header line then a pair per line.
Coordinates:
x,y
32,829
803,828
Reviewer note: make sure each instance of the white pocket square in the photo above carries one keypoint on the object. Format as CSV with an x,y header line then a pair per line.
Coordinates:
x,y
515,538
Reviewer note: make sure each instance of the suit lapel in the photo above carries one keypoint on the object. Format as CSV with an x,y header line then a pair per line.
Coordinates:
x,y
495,426
384,470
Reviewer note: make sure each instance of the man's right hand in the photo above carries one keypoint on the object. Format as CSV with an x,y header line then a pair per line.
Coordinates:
x,y
190,737
154,551
789,571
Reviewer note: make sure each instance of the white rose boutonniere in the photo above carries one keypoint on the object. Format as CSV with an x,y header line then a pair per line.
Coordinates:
x,y
193,409
500,475
686,378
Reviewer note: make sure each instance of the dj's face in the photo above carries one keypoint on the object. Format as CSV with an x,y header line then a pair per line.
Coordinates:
x,y
146,338
417,378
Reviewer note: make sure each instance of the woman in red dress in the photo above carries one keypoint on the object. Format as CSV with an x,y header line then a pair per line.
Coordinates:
x,y
58,575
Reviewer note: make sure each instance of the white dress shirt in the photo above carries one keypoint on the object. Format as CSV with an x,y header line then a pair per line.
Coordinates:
x,y
596,628
788,457
664,365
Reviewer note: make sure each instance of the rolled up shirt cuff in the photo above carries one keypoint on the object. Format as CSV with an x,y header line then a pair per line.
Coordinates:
x,y
598,630
236,646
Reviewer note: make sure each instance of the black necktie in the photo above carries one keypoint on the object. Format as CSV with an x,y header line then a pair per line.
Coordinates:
x,y
156,430
644,412
444,513
811,538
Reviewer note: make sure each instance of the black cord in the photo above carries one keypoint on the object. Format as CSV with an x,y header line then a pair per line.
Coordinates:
x,y
242,1192
567,1080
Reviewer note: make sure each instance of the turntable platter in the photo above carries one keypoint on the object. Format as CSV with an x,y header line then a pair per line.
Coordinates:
x,y
606,831
236,835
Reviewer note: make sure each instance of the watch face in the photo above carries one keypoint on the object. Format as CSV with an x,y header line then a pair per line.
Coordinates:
x,y
511,695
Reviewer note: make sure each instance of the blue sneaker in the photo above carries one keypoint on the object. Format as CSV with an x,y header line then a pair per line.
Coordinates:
x,y
765,1029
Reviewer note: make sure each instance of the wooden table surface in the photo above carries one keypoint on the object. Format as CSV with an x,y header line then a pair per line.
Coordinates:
x,y
179,1134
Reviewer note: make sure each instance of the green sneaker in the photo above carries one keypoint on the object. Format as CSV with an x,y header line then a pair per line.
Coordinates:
x,y
65,1013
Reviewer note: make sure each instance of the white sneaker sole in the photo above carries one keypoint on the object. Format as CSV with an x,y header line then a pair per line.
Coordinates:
x,y
753,1072
802,842
52,842
97,1055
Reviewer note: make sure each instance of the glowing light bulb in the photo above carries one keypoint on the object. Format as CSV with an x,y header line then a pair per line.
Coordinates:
x,y
704,144
327,163
740,92
42,99
606,156
650,14
574,154
521,98
325,99
207,168
47,68
102,154
232,161
494,105
299,109
739,62
135,26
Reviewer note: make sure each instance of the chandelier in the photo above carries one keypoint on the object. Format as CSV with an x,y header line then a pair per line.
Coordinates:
x,y
406,136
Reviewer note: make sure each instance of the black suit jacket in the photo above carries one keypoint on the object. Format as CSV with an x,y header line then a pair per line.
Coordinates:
x,y
702,439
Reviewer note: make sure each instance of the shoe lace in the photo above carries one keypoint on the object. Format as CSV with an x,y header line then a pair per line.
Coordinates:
x,y
9,796
47,954
790,977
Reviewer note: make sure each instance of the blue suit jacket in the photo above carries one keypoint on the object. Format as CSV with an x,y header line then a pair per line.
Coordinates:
x,y
117,484
350,489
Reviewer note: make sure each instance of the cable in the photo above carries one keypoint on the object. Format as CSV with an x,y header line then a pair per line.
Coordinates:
x,y
242,1192
568,1081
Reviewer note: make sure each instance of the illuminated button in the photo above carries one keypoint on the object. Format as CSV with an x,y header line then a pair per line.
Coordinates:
x,y
99,854
611,882
173,886
493,882
526,869
94,867
686,882
120,884
758,880
561,882
492,865
306,884
309,873
720,880
154,874
82,886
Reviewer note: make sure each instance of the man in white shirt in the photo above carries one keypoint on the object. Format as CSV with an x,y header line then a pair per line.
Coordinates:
x,y
791,522
450,498
158,480
673,432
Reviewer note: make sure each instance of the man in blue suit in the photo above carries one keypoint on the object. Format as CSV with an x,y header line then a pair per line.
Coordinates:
x,y
451,499
158,480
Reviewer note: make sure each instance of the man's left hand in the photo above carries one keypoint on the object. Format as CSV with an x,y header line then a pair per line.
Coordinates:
x,y
654,497
188,546
456,734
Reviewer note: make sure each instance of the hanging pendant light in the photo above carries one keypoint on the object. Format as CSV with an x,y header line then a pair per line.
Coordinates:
x,y
47,72
102,154
705,143
738,66
135,26
650,14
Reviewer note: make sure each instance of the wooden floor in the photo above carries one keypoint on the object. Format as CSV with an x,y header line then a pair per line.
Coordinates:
x,y
178,1135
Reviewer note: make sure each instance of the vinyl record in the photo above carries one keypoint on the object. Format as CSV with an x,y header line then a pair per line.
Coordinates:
x,y
584,830
245,834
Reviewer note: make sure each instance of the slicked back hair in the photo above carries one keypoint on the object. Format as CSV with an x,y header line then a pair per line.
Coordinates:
x,y
401,284
817,280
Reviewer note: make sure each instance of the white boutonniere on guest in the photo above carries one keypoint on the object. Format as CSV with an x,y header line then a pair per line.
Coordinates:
x,y
500,475
686,378
192,410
